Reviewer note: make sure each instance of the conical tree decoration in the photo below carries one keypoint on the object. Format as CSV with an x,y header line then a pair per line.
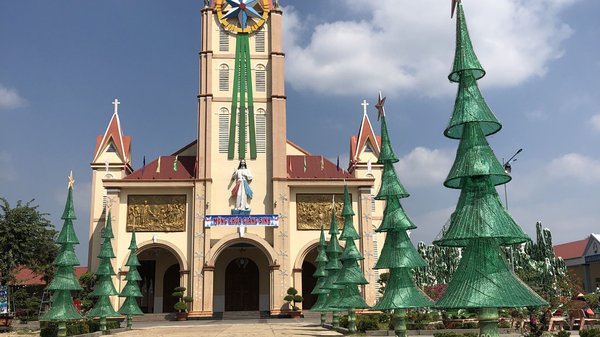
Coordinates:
x,y
64,281
104,287
333,267
351,276
479,223
387,153
321,275
131,291
398,253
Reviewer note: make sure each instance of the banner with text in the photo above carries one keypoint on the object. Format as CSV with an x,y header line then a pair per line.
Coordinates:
x,y
264,220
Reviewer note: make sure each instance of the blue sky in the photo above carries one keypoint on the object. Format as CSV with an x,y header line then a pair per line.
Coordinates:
x,y
63,62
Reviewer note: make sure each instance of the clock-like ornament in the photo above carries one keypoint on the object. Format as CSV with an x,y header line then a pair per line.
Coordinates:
x,y
242,16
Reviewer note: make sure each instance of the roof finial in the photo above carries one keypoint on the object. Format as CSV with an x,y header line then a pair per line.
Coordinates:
x,y
116,104
379,106
71,179
365,105
454,3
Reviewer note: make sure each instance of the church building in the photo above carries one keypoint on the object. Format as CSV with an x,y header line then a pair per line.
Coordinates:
x,y
235,215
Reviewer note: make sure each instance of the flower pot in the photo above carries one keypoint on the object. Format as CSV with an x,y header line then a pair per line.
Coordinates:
x,y
181,316
295,314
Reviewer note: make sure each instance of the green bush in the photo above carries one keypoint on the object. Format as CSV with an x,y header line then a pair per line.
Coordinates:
x,y
446,334
594,332
50,329
344,321
563,333
367,322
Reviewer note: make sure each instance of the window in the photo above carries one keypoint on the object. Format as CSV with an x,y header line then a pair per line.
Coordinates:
x,y
223,77
223,130
260,41
261,131
223,40
261,78
368,147
111,148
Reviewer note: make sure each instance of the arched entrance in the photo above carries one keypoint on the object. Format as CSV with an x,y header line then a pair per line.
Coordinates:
x,y
241,279
160,272
241,285
309,267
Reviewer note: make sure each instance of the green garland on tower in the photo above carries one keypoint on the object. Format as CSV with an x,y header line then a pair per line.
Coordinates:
x,y
480,224
398,254
64,281
350,276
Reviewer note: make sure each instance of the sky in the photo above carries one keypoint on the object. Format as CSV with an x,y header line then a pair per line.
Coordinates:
x,y
63,62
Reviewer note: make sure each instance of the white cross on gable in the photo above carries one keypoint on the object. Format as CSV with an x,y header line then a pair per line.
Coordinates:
x,y
365,105
116,104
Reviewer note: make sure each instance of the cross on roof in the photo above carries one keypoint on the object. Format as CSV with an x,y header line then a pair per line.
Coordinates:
x,y
116,104
365,105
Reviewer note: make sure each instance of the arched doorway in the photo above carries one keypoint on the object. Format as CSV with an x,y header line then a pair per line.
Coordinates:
x,y
160,275
241,279
241,285
170,282
308,280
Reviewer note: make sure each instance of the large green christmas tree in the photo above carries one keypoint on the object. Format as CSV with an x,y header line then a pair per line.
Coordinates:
x,y
398,254
131,291
64,281
321,275
480,224
333,267
350,276
104,287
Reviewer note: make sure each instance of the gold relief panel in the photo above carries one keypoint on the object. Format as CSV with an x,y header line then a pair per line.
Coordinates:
x,y
156,213
312,210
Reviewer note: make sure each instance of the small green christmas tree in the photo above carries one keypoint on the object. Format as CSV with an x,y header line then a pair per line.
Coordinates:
x,y
333,267
321,275
350,276
131,291
480,224
398,253
64,281
104,287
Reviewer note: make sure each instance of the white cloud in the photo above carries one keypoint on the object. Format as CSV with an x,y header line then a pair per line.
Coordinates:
x,y
595,122
422,166
411,48
9,98
7,167
576,166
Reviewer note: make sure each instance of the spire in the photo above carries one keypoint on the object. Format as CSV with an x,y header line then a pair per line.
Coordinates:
x,y
387,153
114,136
464,56
366,137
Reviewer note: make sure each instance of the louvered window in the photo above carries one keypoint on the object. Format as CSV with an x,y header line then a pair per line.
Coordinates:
x,y
261,131
223,130
261,78
223,77
223,40
260,41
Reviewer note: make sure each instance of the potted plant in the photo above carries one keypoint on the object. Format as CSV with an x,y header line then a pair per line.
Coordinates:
x,y
292,298
182,305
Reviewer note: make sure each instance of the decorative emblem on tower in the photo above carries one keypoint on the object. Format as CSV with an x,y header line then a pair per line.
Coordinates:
x,y
242,17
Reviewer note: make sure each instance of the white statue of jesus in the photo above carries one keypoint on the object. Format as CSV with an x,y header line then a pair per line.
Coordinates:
x,y
242,191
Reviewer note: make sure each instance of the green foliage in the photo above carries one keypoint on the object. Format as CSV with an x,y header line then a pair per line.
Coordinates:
x,y
188,299
292,298
26,238
87,281
344,321
50,329
179,289
292,291
367,322
27,301
183,303
382,281
563,333
180,306
594,332
454,334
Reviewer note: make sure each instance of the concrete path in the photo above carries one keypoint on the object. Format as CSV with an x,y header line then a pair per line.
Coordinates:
x,y
266,329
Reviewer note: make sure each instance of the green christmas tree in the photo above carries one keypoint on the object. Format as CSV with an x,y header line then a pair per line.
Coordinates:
x,y
104,287
398,254
131,291
64,281
321,275
333,267
480,224
350,276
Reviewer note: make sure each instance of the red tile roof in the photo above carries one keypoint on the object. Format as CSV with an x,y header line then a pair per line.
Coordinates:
x,y
185,169
317,167
365,133
571,250
26,276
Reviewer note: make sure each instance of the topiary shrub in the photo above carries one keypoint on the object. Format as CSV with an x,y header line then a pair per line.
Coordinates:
x,y
292,298
594,332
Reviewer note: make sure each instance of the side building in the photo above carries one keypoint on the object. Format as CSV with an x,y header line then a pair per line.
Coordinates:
x,y
234,216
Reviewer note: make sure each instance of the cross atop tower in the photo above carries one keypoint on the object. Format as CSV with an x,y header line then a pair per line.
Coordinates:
x,y
116,104
365,105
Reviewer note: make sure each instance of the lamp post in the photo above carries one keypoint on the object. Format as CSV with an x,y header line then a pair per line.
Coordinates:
x,y
508,169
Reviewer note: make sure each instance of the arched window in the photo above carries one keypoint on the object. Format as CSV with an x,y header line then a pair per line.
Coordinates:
x,y
223,130
260,41
261,78
223,77
223,40
261,130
